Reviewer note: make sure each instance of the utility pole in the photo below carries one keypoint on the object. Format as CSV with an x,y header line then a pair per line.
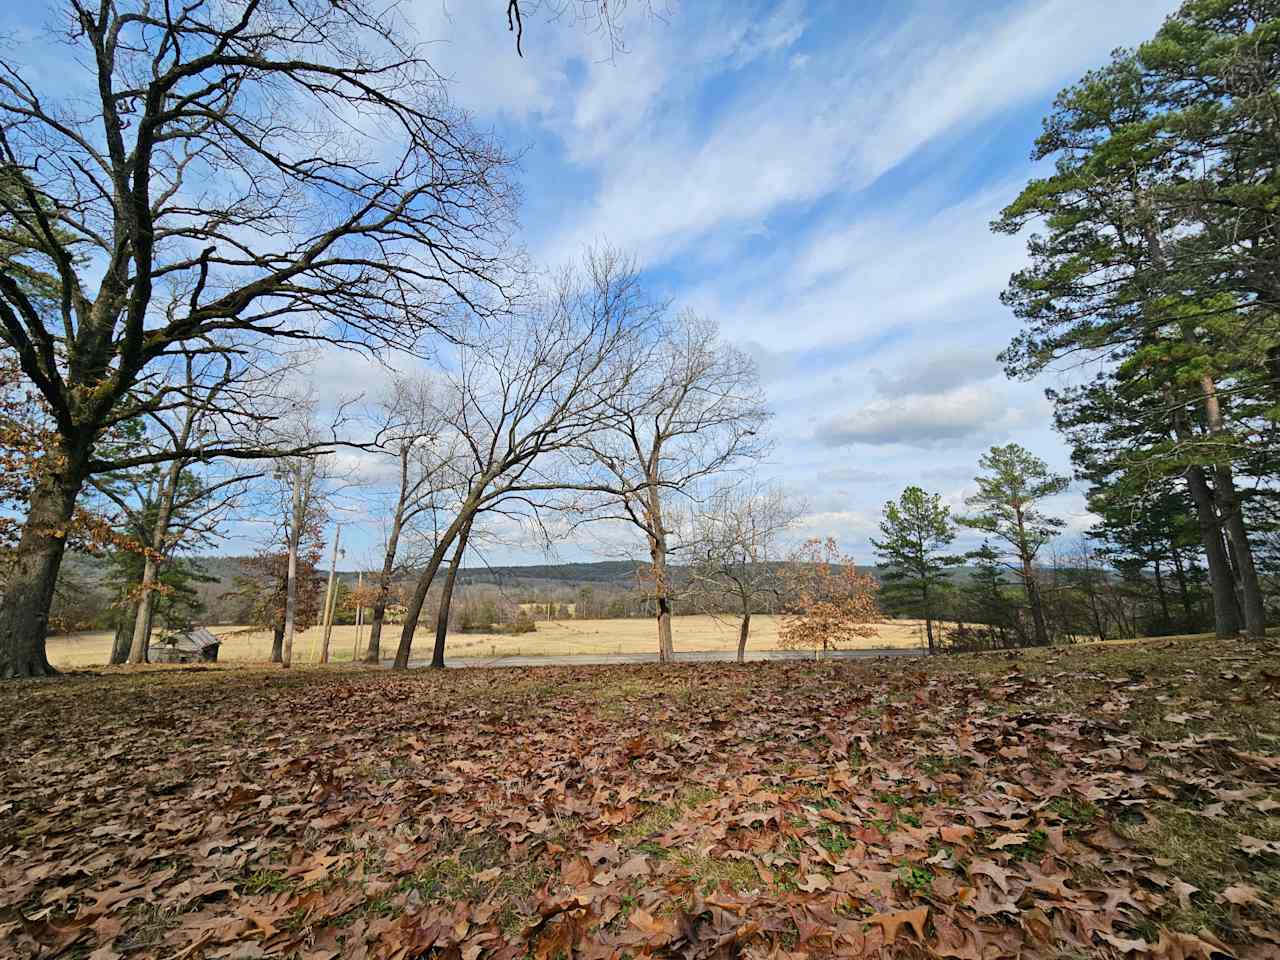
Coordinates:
x,y
355,651
330,596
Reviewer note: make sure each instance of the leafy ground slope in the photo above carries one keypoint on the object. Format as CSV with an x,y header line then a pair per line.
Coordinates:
x,y
1098,801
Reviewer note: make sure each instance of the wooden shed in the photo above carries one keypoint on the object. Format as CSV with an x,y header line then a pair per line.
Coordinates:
x,y
191,647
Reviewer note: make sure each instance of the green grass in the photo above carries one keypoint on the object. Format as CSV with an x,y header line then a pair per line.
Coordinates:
x,y
1203,852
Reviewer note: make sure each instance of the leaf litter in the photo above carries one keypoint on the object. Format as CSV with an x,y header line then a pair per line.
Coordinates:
x,y
1061,804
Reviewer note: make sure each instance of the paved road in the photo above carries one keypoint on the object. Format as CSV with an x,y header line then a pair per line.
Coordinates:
x,y
690,656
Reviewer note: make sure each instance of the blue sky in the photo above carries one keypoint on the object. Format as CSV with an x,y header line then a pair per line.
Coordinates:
x,y
818,178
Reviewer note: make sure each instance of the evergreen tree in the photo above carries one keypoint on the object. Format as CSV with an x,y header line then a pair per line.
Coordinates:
x,y
1005,507
1150,525
1159,256
177,604
916,529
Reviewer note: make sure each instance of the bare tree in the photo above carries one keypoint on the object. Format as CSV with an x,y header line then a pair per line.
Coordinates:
x,y
527,395
446,593
604,17
299,476
307,490
693,408
207,401
288,169
411,428
737,533
264,587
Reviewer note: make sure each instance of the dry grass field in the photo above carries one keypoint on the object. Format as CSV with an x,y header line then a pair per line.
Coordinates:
x,y
553,638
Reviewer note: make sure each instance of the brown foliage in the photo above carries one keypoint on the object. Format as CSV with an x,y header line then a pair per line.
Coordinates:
x,y
264,586
28,451
828,602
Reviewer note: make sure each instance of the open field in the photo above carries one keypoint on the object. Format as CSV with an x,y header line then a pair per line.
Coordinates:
x,y
552,638
1101,801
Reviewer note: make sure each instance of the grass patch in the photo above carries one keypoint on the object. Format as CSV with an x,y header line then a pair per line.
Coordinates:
x,y
1204,852
658,817
265,881
708,874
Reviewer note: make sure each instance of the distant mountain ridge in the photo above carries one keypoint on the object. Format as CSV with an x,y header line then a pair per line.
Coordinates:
x,y
617,573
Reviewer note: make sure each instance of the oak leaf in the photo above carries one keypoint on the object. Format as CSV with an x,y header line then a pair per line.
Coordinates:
x,y
892,923
1241,894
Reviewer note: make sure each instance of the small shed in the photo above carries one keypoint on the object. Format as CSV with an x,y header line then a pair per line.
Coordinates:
x,y
190,647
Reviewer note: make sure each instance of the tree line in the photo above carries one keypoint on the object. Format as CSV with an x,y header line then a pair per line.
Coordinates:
x,y
1153,279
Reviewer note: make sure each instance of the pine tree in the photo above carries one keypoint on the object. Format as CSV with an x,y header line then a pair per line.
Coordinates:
x,y
915,530
1005,507
1159,253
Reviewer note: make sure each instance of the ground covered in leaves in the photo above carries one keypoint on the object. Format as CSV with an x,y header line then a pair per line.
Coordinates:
x,y
1104,801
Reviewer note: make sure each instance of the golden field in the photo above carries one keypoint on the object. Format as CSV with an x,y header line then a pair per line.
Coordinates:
x,y
552,638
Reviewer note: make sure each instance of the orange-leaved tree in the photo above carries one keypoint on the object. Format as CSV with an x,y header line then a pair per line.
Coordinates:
x,y
828,603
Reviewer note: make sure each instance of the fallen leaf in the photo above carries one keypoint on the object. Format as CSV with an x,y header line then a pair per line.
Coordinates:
x,y
1241,894
892,923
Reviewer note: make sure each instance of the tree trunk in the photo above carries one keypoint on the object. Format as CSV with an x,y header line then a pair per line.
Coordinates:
x,y
743,630
1224,490
666,651
330,597
661,595
301,502
124,637
414,611
1251,604
1099,625
1040,631
290,604
446,599
1161,594
277,643
24,613
1190,620
1226,615
168,494
927,609
142,619
374,653
355,650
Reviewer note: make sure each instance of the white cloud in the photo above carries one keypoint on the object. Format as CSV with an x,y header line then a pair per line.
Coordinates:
x,y
938,372
923,420
795,136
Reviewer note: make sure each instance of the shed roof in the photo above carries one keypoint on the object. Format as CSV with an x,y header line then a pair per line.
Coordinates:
x,y
192,641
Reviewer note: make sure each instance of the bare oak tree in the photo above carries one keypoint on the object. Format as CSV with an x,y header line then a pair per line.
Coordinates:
x,y
693,408
526,395
288,168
